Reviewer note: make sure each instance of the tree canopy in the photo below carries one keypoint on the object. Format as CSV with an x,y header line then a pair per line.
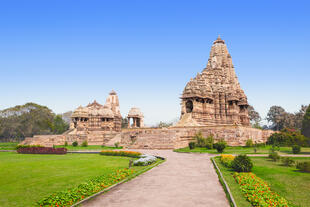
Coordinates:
x,y
281,119
305,130
30,119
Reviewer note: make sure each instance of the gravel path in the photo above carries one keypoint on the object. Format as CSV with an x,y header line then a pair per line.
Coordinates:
x,y
183,180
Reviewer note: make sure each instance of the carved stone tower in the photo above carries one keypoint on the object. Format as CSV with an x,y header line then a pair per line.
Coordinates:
x,y
214,96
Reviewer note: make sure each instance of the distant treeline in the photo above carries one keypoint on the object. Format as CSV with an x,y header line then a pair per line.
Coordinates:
x,y
30,119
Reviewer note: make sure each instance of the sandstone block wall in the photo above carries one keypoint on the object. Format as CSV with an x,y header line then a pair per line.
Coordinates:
x,y
156,138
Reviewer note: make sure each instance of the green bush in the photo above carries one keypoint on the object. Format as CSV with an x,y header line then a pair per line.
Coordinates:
x,y
249,143
66,143
274,156
120,153
220,146
242,163
210,142
303,166
296,149
75,144
286,161
192,145
116,144
84,144
200,140
288,137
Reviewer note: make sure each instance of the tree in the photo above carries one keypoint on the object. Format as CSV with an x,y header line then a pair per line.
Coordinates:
x,y
276,115
164,124
27,120
305,130
124,122
254,116
59,125
299,116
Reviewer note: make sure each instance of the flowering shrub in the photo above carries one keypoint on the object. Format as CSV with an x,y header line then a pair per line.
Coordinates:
x,y
145,160
41,150
90,187
121,153
258,192
227,160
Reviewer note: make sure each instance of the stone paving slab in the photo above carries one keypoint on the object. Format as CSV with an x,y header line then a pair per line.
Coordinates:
x,y
183,180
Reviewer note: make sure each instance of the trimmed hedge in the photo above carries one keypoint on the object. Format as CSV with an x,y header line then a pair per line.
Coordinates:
x,y
121,153
41,150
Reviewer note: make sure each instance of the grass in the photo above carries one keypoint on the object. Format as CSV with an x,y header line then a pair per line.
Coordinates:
x,y
89,147
287,181
243,150
25,179
8,145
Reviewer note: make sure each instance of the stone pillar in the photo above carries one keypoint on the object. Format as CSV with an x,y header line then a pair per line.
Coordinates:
x,y
134,122
128,123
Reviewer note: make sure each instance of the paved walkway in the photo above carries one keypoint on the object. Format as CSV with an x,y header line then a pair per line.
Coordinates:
x,y
183,180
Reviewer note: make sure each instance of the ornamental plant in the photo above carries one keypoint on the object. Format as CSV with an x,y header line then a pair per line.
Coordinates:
x,y
84,144
274,156
303,166
75,144
257,191
242,163
249,143
145,160
41,150
120,153
286,161
296,149
192,145
227,160
220,146
73,195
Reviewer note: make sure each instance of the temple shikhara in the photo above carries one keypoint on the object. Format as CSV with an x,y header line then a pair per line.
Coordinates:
x,y
97,117
214,96
212,103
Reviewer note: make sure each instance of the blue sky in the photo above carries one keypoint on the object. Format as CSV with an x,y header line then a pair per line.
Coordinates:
x,y
63,54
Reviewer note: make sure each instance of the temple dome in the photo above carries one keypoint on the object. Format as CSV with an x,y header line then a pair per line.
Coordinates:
x,y
135,112
106,112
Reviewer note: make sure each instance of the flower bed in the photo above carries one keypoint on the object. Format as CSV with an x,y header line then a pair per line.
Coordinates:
x,y
90,187
145,160
227,160
41,150
121,153
258,192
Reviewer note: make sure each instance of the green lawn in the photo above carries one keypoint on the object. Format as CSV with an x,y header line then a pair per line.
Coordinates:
x,y
243,150
89,147
8,145
287,181
25,179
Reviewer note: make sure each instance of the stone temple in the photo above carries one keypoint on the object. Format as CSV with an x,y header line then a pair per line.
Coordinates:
x,y
212,103
214,96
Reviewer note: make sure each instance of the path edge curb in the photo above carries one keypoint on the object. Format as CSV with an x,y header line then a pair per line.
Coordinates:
x,y
224,184
123,181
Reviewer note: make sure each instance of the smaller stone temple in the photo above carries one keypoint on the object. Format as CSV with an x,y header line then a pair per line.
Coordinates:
x,y
97,117
137,118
